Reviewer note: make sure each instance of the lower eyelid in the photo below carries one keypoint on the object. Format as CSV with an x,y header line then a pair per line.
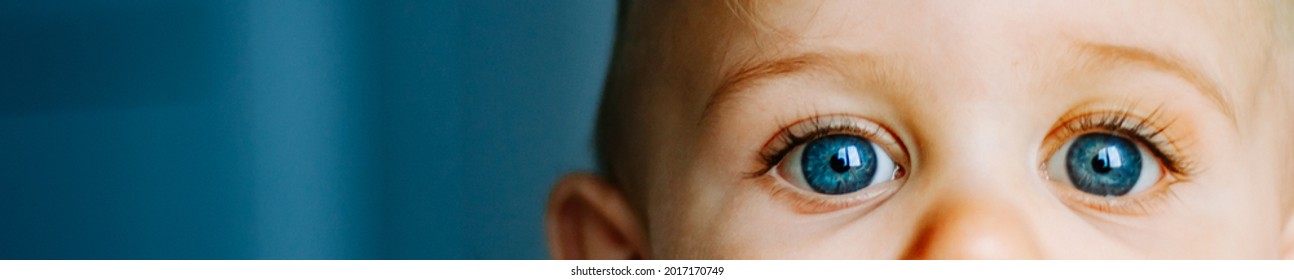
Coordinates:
x,y
1146,202
806,202
1151,201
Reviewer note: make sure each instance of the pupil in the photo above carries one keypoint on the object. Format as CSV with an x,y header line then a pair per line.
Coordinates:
x,y
840,162
1100,165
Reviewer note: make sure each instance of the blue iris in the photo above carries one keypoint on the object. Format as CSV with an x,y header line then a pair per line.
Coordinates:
x,y
838,164
1103,164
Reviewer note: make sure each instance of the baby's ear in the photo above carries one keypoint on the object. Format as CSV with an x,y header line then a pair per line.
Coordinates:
x,y
588,218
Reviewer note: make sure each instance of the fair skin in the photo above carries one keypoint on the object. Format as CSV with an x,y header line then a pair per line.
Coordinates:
x,y
974,105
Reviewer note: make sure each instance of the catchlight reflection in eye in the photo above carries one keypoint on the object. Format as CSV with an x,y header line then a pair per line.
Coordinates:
x,y
1105,165
840,164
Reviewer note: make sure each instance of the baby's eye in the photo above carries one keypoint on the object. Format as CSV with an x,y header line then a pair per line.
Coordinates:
x,y
1104,164
838,164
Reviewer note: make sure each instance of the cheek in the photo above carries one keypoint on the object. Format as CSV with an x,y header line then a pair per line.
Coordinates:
x,y
1242,200
750,227
710,219
730,220
1239,194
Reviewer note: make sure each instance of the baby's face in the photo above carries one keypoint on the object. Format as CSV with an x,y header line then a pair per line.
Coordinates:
x,y
944,129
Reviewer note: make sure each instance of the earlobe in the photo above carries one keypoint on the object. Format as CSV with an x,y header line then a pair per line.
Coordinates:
x,y
588,218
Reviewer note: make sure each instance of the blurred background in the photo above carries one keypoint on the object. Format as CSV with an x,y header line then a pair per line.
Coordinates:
x,y
305,129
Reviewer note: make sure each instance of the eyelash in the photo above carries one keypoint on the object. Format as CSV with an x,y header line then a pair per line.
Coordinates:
x,y
1141,130
1121,122
787,139
1148,132
801,132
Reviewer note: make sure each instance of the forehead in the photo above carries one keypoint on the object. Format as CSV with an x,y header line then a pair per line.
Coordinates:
x,y
941,25
933,37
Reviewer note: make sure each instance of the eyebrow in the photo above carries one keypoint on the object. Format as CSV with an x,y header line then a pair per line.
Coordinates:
x,y
1099,56
749,73
1092,56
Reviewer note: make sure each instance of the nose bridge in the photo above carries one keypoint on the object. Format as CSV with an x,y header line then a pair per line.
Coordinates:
x,y
976,146
975,185
973,213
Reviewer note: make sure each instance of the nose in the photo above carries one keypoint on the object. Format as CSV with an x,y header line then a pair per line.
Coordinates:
x,y
973,228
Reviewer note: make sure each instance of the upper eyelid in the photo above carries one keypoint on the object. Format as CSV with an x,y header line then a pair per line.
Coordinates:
x,y
1164,146
785,140
869,128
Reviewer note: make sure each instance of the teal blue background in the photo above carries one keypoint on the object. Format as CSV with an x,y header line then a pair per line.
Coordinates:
x,y
328,129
